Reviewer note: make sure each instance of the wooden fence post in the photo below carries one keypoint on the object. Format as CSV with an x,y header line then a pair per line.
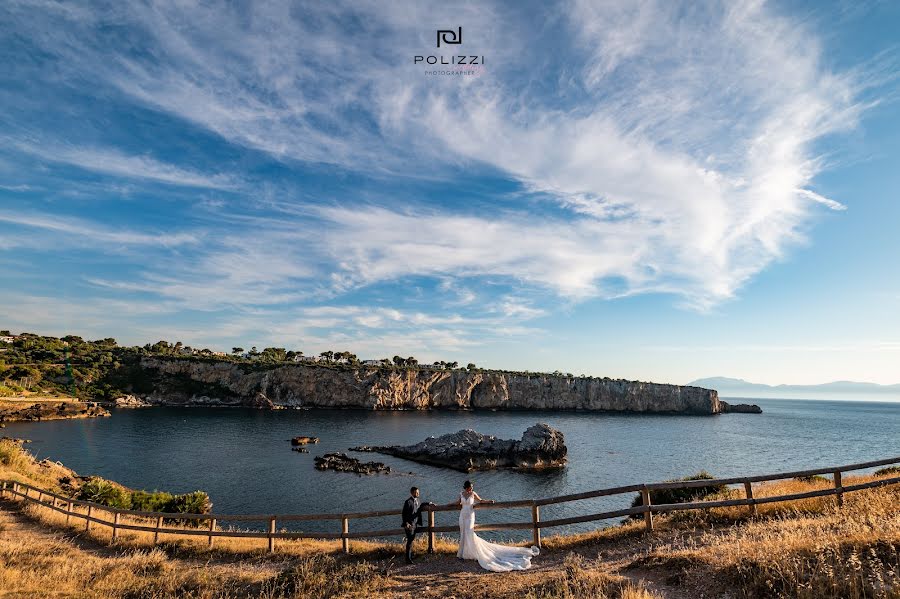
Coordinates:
x,y
535,519
3,490
748,489
87,521
271,532
345,528
839,487
159,523
648,515
212,528
115,527
68,512
431,531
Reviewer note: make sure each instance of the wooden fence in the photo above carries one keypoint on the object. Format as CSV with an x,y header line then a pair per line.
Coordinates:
x,y
66,505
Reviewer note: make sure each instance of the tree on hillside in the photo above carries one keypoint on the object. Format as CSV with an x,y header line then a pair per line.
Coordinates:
x,y
471,366
274,354
237,350
398,361
328,355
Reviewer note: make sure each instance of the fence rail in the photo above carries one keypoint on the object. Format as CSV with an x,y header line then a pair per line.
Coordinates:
x,y
66,505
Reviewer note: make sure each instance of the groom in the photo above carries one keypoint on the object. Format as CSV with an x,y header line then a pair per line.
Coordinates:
x,y
412,519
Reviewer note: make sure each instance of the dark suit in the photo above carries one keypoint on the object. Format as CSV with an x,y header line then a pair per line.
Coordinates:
x,y
412,519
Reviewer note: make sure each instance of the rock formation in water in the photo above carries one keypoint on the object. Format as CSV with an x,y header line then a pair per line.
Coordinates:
x,y
130,401
195,382
541,447
304,440
341,462
739,408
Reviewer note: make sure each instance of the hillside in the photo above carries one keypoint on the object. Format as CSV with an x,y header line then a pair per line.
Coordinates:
x,y
173,374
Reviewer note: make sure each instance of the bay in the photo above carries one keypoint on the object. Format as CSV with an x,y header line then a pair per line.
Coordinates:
x,y
243,459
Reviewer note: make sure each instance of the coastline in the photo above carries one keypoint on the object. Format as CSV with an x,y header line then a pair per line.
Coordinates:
x,y
27,409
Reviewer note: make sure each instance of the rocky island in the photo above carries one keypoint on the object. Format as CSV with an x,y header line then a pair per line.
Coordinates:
x,y
540,448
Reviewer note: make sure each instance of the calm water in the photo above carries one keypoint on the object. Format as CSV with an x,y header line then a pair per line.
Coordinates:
x,y
243,460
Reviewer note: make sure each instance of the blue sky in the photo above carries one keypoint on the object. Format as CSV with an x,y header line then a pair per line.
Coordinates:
x,y
648,190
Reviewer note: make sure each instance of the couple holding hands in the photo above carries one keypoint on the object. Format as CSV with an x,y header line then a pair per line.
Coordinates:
x,y
491,556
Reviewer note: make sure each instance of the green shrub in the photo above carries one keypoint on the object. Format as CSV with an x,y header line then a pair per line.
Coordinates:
x,y
191,503
683,495
157,501
889,471
10,389
104,492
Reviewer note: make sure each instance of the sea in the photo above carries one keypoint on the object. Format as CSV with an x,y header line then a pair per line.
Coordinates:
x,y
243,459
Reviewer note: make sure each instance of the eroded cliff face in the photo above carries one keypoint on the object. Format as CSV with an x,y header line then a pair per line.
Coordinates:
x,y
197,383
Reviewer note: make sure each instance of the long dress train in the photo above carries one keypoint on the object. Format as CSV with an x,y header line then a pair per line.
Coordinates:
x,y
490,556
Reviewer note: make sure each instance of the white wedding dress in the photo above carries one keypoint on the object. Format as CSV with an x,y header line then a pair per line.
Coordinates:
x,y
493,557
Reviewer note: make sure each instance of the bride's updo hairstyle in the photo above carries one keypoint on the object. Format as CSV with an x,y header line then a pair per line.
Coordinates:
x,y
467,485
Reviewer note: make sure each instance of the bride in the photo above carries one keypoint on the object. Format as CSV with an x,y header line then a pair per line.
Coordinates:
x,y
490,556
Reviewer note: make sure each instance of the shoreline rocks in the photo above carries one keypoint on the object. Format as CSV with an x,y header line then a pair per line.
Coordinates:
x,y
541,447
740,408
130,401
13,411
341,462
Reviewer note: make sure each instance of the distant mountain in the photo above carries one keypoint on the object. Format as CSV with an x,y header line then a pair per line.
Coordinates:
x,y
731,387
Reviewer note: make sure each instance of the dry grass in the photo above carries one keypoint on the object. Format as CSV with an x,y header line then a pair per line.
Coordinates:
x,y
582,579
805,549
809,549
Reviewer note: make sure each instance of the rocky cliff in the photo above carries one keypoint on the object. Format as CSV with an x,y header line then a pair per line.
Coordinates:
x,y
207,382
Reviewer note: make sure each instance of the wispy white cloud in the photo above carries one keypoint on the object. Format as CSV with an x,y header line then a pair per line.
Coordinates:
x,y
86,233
821,199
113,162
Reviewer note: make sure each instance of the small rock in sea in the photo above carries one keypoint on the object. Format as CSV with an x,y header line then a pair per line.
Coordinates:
x,y
341,462
130,401
300,449
302,440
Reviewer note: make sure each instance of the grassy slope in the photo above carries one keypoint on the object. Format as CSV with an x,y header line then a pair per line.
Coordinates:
x,y
807,549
